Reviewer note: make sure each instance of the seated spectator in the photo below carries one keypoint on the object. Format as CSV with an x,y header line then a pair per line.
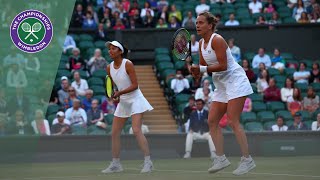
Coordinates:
x,y
76,115
287,90
315,126
106,7
315,17
153,4
188,109
93,13
174,23
76,62
314,74
101,34
294,104
275,19
19,102
89,22
60,127
247,107
199,129
262,81
202,7
194,45
59,116
161,4
119,25
77,17
232,21
175,13
3,102
195,84
161,23
134,9
108,106
235,50
304,18
261,57
262,67
207,97
16,78
95,115
261,20
199,92
298,10
148,20
301,76
144,129
180,84
40,125
97,62
269,7
277,61
32,63
297,124
311,102
3,123
250,74
19,126
106,19
280,125
255,7
72,96
189,21
87,101
126,5
80,85
164,14
63,92
43,93
310,8
272,93
147,7
291,3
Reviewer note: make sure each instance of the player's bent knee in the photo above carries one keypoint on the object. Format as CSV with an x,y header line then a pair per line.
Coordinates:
x,y
136,131
234,125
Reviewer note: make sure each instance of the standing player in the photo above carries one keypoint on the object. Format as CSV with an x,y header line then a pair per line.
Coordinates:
x,y
131,103
232,87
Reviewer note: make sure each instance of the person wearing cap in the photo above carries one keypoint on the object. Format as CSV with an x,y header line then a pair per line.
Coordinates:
x,y
132,104
63,92
297,124
60,125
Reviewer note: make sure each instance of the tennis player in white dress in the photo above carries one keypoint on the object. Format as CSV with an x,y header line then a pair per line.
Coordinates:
x,y
232,88
132,104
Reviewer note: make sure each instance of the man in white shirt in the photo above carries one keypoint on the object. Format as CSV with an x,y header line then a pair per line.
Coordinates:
x,y
80,85
279,126
302,76
180,84
189,21
315,126
261,57
202,7
232,21
199,92
255,7
235,50
76,115
69,43
194,45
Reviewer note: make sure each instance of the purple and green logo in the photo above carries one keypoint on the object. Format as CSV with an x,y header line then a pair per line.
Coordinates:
x,y
31,31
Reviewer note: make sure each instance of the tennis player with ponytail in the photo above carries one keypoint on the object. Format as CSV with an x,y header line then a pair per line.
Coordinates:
x,y
132,103
232,88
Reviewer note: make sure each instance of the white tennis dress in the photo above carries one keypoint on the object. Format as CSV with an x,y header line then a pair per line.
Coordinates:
x,y
231,83
130,103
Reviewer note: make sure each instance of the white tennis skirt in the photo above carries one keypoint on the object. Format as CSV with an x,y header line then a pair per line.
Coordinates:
x,y
130,106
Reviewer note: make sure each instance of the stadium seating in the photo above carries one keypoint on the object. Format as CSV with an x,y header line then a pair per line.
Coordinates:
x,y
253,127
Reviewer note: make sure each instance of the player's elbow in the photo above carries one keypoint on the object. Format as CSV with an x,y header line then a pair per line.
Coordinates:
x,y
223,67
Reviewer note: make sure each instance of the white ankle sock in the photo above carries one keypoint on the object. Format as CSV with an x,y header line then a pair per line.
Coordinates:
x,y
116,160
147,158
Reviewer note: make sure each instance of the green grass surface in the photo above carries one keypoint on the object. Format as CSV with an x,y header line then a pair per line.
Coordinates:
x,y
274,168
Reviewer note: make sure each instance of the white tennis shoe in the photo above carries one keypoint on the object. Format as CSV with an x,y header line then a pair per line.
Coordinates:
x,y
147,167
219,163
245,165
113,168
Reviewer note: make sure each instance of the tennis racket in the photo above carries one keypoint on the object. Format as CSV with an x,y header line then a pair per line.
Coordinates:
x,y
181,44
109,87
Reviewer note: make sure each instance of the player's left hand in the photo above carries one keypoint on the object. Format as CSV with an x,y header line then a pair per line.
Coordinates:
x,y
116,94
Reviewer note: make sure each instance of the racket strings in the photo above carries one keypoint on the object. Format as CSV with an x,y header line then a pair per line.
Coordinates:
x,y
181,45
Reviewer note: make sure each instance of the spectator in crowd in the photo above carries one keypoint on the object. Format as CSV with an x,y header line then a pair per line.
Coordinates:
x,y
43,93
101,34
199,129
315,17
32,63
274,19
262,67
314,74
78,17
76,62
87,101
255,7
298,10
16,78
180,84
311,102
19,102
97,62
153,4
40,125
164,14
175,13
95,115
161,23
106,7
134,9
291,3
207,97
133,25
67,103
148,20
119,25
63,92
60,127
144,129
147,8
123,14
202,7
76,115
199,92
277,61
272,93
19,126
250,74
235,50
93,14
269,7
304,18
59,116
294,104
310,8
194,85
161,4
297,124
189,108
232,21
126,5
108,106
106,19
247,107
279,126
301,76
261,57
3,102
14,58
315,126
79,84
194,45
3,122
174,23
287,90
189,21
261,20
262,81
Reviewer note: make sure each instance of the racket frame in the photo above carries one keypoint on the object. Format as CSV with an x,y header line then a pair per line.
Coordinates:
x,y
189,44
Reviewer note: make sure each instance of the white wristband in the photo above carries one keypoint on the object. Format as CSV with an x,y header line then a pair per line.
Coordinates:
x,y
203,69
